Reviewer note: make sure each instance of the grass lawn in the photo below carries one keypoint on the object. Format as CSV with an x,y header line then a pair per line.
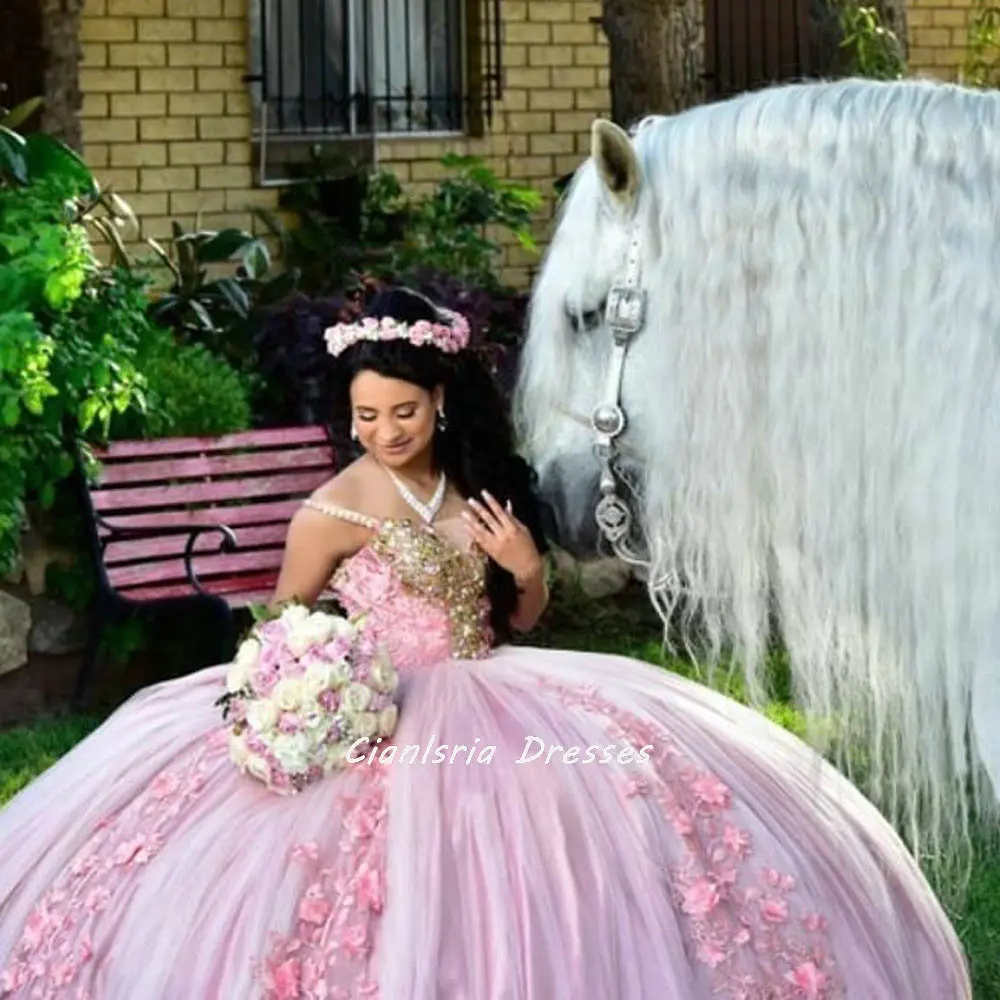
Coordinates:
x,y
623,626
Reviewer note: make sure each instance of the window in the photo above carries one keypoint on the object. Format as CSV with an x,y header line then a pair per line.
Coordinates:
x,y
358,67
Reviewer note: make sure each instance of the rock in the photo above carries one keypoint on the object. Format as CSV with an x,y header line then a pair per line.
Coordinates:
x,y
56,629
37,554
15,623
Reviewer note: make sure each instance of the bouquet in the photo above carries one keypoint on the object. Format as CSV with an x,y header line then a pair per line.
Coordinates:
x,y
303,688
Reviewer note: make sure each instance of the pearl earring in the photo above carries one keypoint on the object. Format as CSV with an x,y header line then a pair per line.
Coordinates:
x,y
354,433
442,420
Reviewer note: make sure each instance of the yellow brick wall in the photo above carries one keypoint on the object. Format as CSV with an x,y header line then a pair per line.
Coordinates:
x,y
167,118
939,31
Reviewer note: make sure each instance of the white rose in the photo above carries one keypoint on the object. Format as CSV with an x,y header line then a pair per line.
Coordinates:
x,y
237,677
365,724
288,694
238,752
338,675
343,628
387,720
258,768
262,715
294,615
316,679
384,675
356,698
316,630
292,752
248,655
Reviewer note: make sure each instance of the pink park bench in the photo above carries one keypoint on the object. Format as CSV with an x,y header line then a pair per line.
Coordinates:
x,y
182,522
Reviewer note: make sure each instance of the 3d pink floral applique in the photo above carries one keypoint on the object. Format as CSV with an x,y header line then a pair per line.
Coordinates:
x,y
328,954
742,927
55,949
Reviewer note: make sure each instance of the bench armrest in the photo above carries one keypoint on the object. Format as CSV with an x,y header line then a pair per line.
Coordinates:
x,y
227,541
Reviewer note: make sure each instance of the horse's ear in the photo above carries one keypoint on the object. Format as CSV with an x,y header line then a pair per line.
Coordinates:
x,y
612,150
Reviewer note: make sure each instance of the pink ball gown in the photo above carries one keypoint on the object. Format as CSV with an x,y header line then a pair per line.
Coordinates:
x,y
733,864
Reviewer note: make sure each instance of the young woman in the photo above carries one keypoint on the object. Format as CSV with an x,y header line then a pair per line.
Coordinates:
x,y
569,826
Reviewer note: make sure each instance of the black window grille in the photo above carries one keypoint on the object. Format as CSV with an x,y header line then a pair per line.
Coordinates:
x,y
359,67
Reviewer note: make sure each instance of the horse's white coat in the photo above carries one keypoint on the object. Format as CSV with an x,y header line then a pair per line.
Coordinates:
x,y
814,401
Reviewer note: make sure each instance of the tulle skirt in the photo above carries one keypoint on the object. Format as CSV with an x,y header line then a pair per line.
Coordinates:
x,y
544,825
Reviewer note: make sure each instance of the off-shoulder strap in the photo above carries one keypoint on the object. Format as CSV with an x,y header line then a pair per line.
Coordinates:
x,y
342,513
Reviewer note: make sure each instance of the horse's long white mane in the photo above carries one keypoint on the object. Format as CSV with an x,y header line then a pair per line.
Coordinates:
x,y
815,397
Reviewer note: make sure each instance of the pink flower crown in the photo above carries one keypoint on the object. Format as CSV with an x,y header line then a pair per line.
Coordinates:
x,y
449,337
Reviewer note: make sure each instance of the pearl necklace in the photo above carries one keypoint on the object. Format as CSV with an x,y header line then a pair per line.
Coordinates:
x,y
428,511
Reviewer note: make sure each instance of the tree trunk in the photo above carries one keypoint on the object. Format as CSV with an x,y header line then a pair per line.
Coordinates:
x,y
40,57
61,42
657,56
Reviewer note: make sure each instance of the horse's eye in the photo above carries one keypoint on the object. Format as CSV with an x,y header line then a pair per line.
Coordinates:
x,y
591,319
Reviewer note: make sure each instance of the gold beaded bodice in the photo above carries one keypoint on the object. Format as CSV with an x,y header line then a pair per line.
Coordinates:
x,y
420,589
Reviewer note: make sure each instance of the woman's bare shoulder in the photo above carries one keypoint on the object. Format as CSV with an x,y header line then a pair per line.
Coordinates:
x,y
352,489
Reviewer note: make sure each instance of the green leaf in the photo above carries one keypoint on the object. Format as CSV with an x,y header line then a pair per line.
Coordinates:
x,y
12,160
526,240
202,315
222,246
88,411
11,411
233,294
256,260
16,117
46,156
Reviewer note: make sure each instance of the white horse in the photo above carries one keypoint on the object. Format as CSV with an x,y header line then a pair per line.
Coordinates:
x,y
793,297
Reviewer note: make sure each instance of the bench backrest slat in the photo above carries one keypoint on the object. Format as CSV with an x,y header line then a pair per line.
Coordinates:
x,y
184,494
254,537
252,482
278,437
278,511
119,473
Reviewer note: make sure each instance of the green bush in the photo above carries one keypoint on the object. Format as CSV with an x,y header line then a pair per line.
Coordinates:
x,y
189,391
69,330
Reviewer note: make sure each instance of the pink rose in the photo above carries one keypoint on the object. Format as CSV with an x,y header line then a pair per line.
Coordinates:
x,y
700,899
737,841
774,911
35,930
97,900
314,908
289,723
809,980
709,791
355,940
63,973
263,680
336,649
286,980
164,785
711,954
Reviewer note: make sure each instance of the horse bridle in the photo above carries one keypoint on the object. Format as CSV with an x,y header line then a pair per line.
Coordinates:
x,y
625,315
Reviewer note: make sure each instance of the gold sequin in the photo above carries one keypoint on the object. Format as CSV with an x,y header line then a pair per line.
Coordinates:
x,y
437,571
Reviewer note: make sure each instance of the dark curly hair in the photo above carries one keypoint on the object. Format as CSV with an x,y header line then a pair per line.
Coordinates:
x,y
476,450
